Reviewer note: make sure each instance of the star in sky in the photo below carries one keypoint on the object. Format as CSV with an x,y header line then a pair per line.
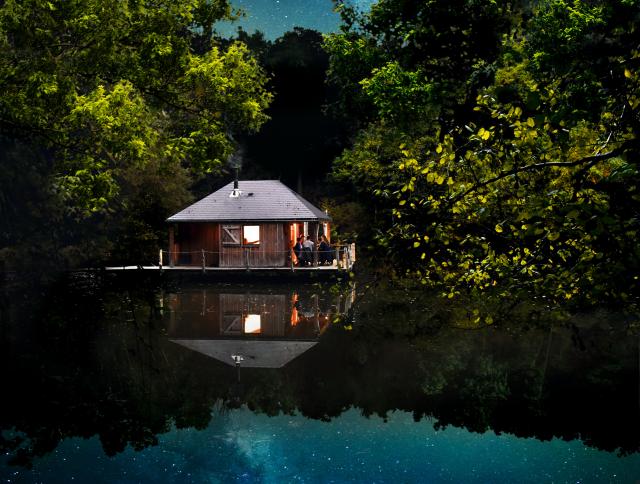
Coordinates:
x,y
275,17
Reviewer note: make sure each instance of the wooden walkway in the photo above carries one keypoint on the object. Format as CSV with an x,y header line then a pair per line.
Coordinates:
x,y
226,274
226,269
342,264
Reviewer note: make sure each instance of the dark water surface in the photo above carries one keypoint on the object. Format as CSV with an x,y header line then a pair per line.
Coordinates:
x,y
121,381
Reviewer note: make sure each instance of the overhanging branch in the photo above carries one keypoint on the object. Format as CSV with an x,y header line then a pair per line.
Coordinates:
x,y
588,160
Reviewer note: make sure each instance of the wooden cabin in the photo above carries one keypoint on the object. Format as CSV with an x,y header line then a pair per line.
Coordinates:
x,y
247,223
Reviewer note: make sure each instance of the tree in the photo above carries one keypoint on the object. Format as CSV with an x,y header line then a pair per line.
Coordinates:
x,y
529,186
105,92
406,72
299,141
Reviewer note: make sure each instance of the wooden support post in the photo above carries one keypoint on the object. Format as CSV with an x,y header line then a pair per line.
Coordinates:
x,y
204,261
160,260
291,259
246,257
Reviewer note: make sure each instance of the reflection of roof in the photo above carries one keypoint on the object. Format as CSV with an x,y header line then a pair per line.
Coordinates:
x,y
255,353
259,200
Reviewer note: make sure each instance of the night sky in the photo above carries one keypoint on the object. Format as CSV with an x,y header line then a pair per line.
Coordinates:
x,y
274,17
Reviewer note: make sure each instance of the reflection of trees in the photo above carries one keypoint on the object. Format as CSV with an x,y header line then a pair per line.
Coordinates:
x,y
93,360
91,366
562,381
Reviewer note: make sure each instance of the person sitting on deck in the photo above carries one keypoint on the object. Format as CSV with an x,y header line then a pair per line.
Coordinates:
x,y
325,254
297,250
307,251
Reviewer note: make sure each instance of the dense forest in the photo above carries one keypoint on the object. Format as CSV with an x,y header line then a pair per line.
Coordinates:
x,y
498,142
110,112
477,148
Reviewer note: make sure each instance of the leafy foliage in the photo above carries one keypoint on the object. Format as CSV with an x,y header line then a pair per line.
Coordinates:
x,y
516,171
111,92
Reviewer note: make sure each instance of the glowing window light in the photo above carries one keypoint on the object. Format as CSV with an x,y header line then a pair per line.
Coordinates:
x,y
252,323
251,235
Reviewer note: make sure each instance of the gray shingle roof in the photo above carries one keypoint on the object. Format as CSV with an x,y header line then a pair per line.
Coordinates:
x,y
259,200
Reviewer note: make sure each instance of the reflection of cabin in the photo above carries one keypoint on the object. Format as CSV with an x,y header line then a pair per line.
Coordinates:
x,y
244,224
205,314
264,330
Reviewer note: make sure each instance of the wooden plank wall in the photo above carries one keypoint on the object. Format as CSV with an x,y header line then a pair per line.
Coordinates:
x,y
192,238
272,251
194,315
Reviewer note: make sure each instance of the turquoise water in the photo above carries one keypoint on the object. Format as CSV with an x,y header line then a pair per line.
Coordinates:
x,y
241,446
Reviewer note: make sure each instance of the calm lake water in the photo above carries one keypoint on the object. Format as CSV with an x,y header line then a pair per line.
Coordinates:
x,y
112,381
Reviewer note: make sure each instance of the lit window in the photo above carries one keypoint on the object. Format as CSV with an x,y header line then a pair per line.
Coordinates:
x,y
251,235
252,323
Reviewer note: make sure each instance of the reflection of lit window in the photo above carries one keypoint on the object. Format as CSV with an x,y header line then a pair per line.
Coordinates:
x,y
295,318
251,234
252,323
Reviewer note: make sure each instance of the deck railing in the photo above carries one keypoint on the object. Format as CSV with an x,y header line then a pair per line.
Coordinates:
x,y
343,256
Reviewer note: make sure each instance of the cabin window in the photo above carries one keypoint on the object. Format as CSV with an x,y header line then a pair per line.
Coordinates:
x,y
230,235
232,324
251,235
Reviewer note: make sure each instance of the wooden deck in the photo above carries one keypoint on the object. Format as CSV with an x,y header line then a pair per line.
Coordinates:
x,y
226,269
342,264
232,274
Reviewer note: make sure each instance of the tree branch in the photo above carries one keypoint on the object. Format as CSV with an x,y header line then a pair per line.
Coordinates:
x,y
590,160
